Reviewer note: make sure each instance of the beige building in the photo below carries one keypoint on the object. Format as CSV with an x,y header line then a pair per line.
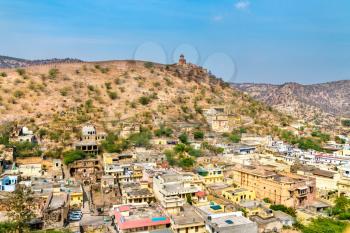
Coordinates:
x,y
325,180
136,192
281,188
220,120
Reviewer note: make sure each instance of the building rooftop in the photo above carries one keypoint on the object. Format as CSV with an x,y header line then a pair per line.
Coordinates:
x,y
58,200
188,216
139,216
229,219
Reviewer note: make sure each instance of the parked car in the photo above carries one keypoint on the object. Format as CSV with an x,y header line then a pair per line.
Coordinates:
x,y
75,215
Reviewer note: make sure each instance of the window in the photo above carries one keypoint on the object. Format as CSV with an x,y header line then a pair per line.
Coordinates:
x,y
196,229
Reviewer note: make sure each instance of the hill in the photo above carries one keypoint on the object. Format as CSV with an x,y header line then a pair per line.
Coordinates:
x,y
109,94
325,102
12,62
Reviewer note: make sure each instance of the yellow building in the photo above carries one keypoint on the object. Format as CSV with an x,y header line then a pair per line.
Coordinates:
x,y
211,174
115,158
76,196
237,195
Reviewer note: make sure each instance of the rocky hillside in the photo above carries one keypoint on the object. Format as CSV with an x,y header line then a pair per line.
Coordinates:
x,y
12,62
109,94
322,102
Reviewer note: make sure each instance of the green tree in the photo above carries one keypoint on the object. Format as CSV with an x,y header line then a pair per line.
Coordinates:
x,y
26,149
183,138
285,209
180,148
346,123
235,138
141,139
186,162
20,207
170,157
73,155
194,152
113,144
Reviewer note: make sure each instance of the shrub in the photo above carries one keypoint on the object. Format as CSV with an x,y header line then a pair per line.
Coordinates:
x,y
144,100
285,209
183,138
117,81
180,148
55,135
168,82
108,85
340,140
194,152
42,132
148,65
26,149
235,138
198,134
53,73
324,225
170,157
114,145
141,139
18,94
344,216
346,123
73,155
102,69
64,91
186,162
156,84
91,88
163,131
113,95
21,71
324,137
3,74
308,143
89,105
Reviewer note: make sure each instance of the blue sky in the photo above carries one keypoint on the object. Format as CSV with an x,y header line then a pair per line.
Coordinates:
x,y
270,41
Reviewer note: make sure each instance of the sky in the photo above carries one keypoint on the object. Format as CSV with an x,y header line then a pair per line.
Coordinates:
x,y
260,41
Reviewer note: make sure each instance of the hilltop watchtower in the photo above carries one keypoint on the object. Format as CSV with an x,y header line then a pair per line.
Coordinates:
x,y
182,60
